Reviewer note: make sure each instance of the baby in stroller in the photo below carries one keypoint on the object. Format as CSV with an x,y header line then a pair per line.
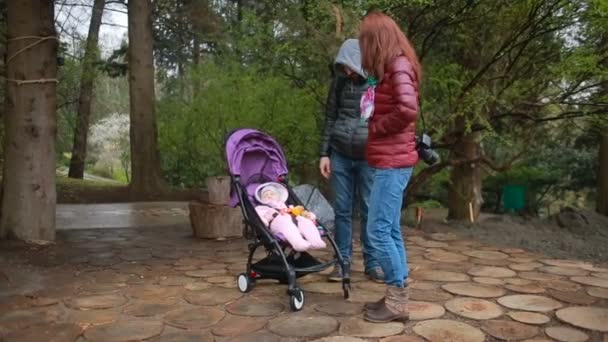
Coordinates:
x,y
295,224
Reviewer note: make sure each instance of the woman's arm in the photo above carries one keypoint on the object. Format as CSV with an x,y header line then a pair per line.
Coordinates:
x,y
404,85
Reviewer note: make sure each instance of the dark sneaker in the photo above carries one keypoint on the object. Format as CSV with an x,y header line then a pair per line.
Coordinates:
x,y
336,275
375,274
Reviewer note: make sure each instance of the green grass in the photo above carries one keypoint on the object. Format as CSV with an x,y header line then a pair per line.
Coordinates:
x,y
71,184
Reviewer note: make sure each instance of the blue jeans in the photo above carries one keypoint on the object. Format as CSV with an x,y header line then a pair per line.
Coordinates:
x,y
351,182
384,225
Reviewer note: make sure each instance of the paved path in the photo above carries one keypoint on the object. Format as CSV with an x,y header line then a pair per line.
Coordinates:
x,y
159,284
121,215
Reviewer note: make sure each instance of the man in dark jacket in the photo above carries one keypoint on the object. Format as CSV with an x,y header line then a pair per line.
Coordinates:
x,y
343,145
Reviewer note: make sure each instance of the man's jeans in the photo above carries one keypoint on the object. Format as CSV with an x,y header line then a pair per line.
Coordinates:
x,y
384,225
351,182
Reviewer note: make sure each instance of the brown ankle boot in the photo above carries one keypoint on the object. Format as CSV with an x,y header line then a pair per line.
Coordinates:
x,y
394,307
374,305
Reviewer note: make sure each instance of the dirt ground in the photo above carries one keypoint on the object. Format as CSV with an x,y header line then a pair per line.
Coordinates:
x,y
575,234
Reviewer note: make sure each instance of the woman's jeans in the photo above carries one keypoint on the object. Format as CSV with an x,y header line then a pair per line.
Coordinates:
x,y
351,181
384,223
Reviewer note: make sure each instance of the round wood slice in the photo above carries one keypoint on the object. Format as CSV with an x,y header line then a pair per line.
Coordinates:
x,y
104,301
529,317
490,262
561,285
400,338
423,285
517,281
509,330
212,297
513,250
598,292
473,308
420,311
564,271
491,272
339,308
369,286
443,256
234,326
474,290
566,263
359,328
530,288
441,330
527,266
324,287
443,276
458,267
529,303
565,334
591,281
591,318
520,259
492,255
430,295
304,326
488,281
603,275
338,339
572,297
125,330
538,276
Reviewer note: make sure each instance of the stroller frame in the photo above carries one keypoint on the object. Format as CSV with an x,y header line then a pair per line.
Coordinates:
x,y
255,229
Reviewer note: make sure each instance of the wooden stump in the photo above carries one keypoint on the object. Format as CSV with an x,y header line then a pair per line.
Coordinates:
x,y
218,188
211,221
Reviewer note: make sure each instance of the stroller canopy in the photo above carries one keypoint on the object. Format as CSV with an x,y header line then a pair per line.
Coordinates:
x,y
255,157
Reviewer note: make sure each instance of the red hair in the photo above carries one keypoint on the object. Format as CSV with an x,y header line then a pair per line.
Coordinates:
x,y
381,40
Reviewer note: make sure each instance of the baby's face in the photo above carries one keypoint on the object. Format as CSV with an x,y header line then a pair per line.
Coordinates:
x,y
269,195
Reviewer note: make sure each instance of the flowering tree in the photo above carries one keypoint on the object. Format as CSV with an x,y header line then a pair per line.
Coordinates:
x,y
110,142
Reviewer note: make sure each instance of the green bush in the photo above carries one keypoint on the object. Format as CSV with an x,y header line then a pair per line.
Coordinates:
x,y
212,100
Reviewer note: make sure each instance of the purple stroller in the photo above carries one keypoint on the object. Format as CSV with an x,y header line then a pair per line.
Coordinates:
x,y
255,158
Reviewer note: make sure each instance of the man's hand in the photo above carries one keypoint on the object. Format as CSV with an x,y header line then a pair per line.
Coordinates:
x,y
325,167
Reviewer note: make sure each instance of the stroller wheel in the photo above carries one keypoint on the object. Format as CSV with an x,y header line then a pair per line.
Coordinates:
x,y
296,301
244,283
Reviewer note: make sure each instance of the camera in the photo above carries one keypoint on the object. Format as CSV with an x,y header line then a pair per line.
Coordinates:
x,y
425,152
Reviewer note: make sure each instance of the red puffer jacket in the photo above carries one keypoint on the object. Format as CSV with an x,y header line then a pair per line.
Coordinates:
x,y
392,128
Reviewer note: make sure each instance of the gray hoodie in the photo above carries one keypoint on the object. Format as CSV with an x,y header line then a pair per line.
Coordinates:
x,y
350,55
344,132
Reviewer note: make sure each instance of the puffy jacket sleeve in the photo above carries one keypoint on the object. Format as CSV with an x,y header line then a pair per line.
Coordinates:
x,y
404,86
331,114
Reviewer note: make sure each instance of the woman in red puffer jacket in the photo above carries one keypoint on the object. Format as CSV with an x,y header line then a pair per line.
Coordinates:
x,y
388,56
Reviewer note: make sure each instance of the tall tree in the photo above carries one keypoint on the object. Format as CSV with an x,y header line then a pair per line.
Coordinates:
x,y
602,191
29,197
87,81
146,179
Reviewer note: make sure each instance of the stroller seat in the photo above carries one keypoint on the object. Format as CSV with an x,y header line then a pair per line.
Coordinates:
x,y
255,158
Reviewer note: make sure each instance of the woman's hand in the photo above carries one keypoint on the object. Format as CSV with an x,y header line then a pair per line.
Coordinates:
x,y
325,167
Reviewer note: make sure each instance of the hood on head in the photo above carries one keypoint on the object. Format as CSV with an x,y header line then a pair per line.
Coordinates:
x,y
350,55
277,187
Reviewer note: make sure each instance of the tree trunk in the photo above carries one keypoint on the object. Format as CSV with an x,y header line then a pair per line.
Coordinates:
x,y
87,81
146,178
465,180
602,191
209,221
29,197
